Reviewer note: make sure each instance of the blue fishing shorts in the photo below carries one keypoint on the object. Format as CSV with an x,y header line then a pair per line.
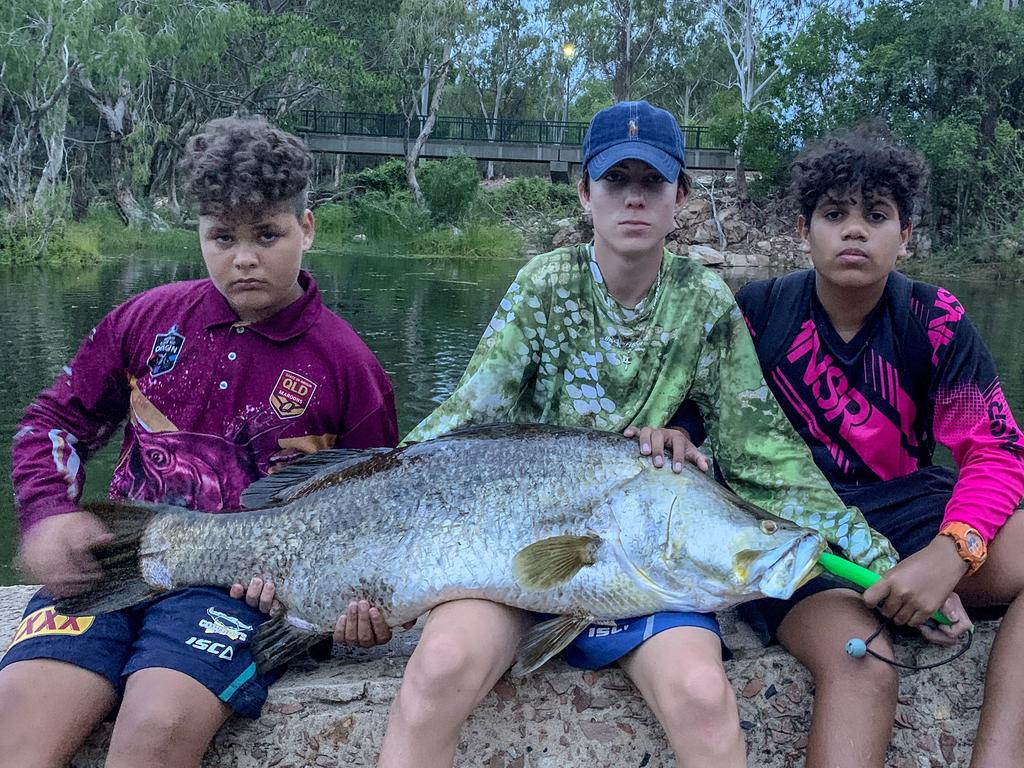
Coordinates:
x,y
202,632
907,510
598,646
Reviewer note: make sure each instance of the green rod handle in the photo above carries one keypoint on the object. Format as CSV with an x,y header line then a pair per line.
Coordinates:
x,y
860,576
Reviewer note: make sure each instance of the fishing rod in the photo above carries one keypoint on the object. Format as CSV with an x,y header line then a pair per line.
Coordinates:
x,y
863,578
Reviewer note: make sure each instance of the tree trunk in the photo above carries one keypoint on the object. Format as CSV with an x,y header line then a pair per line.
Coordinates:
x,y
412,154
741,176
51,128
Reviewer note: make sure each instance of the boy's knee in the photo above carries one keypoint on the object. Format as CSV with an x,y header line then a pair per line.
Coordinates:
x,y
698,697
447,668
147,730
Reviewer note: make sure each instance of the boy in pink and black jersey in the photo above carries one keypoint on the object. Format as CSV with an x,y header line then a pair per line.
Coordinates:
x,y
873,369
221,381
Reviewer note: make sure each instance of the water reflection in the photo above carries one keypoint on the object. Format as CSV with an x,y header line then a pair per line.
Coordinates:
x,y
421,316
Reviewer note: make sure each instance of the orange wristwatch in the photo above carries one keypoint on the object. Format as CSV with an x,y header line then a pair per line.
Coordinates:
x,y
969,544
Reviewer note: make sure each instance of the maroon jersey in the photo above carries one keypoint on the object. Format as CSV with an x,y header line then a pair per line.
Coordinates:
x,y
212,403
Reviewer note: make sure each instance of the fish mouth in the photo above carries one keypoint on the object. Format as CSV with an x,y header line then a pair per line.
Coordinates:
x,y
779,573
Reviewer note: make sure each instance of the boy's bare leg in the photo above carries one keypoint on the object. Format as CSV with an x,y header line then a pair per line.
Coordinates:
x,y
1000,738
465,647
167,720
47,709
854,699
680,674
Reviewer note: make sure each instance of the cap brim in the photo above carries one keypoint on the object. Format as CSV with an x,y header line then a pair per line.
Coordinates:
x,y
659,160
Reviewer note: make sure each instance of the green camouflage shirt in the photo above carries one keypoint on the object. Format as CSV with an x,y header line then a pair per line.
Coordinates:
x,y
561,350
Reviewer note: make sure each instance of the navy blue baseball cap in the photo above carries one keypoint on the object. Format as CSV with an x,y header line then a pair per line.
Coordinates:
x,y
634,130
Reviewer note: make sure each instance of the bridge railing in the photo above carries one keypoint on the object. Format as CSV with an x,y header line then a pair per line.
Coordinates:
x,y
502,130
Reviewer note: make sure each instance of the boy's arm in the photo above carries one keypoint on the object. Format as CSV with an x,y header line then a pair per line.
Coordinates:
x,y
973,420
60,430
760,454
65,424
502,366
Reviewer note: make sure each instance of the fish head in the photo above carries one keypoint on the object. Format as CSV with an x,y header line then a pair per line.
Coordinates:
x,y
706,549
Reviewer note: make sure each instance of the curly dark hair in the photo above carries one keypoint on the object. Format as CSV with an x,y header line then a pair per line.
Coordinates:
x,y
242,161
865,160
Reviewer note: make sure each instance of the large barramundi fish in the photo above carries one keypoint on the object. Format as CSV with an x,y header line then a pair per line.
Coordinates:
x,y
562,521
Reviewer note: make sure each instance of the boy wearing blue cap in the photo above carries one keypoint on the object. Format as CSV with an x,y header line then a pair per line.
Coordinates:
x,y
614,335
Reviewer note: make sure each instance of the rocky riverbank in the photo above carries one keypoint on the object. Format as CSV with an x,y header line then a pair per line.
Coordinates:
x,y
719,230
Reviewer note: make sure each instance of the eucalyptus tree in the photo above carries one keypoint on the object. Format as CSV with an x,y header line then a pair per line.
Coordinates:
x,y
622,39
949,76
422,46
757,34
37,68
501,49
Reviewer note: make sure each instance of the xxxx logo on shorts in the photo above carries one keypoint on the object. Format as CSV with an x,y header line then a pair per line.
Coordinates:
x,y
291,395
46,621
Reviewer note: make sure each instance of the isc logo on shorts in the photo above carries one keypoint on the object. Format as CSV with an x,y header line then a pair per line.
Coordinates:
x,y
220,650
46,621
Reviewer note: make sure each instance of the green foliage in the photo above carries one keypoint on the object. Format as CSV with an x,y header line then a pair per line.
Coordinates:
x,y
477,240
530,195
387,178
449,187
388,218
37,238
334,220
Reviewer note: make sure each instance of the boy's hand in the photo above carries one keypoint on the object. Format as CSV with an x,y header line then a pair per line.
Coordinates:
x,y
944,634
259,594
653,443
920,585
57,552
363,625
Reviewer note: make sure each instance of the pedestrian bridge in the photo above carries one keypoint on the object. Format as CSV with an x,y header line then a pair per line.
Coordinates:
x,y
559,144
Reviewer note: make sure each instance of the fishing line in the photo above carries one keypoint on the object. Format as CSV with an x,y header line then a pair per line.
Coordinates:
x,y
858,648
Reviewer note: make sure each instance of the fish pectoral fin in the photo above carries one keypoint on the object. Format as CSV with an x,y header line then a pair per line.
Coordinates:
x,y
553,561
278,641
547,639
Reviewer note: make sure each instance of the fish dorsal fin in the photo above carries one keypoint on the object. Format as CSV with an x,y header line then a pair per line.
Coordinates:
x,y
546,640
300,477
555,560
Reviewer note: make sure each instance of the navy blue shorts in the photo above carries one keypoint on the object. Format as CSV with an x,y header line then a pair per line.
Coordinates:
x,y
201,632
598,646
907,510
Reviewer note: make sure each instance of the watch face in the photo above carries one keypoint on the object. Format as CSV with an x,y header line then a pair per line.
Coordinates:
x,y
975,544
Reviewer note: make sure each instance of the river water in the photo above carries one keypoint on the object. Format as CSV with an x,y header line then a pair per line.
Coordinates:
x,y
421,316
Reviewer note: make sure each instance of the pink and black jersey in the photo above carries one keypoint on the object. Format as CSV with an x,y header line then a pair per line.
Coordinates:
x,y
872,408
211,403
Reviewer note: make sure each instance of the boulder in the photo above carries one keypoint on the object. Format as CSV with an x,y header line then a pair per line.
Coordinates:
x,y
559,717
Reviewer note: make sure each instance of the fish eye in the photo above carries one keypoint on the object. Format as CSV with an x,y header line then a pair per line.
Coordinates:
x,y
769,526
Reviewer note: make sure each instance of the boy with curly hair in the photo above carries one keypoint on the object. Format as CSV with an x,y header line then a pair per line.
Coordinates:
x,y
872,368
221,380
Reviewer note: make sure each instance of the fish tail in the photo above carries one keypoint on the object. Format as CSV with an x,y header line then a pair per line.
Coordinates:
x,y
121,584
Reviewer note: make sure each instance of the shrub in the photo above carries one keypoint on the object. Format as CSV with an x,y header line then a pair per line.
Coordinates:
x,y
530,195
334,220
383,217
387,178
449,187
477,240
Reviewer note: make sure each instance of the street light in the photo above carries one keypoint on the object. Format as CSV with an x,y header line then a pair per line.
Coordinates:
x,y
568,52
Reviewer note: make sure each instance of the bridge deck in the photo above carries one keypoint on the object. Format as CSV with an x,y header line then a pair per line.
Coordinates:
x,y
510,140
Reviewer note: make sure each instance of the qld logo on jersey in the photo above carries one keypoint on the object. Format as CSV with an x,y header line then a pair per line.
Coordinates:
x,y
166,349
292,395
46,621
